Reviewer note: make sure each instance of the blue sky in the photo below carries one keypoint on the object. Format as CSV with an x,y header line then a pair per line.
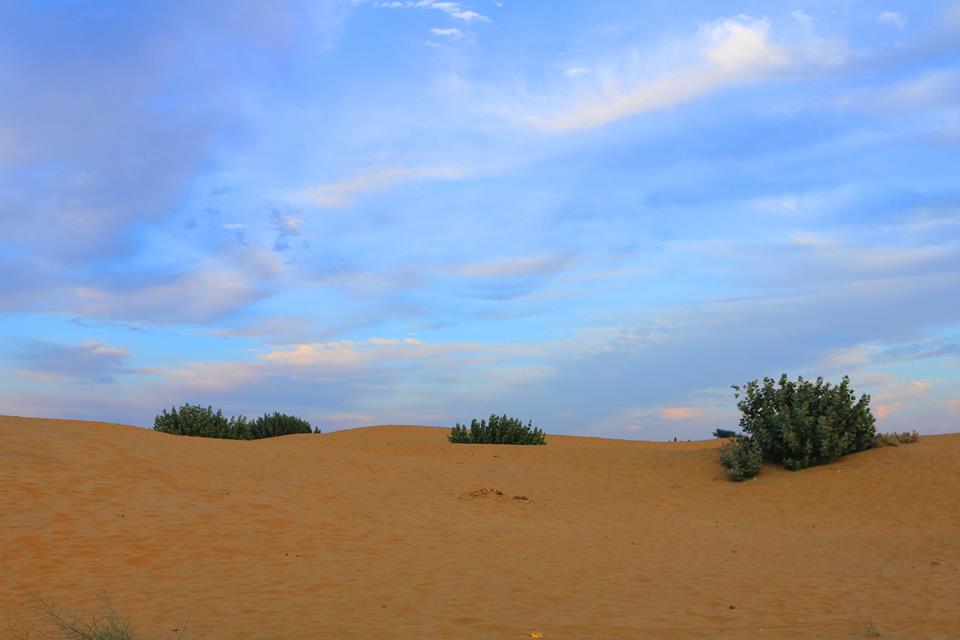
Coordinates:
x,y
596,215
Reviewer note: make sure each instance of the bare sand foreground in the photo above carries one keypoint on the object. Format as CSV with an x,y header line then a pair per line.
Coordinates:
x,y
388,532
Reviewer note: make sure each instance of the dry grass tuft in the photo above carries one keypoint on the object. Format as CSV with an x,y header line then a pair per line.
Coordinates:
x,y
103,624
895,439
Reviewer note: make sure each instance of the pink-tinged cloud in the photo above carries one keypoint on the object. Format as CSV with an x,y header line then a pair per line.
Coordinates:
x,y
681,413
884,410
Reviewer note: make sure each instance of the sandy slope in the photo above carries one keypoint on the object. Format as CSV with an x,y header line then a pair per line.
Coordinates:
x,y
383,533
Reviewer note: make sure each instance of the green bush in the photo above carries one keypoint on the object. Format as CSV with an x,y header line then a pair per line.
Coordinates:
x,y
498,430
279,424
724,433
805,423
195,420
740,457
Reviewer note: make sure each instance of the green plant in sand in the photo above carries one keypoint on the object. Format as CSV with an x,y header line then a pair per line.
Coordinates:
x,y
497,430
804,423
740,457
279,424
196,420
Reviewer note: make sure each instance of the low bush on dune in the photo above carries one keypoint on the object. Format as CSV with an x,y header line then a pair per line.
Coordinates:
x,y
278,424
800,423
740,457
895,439
724,433
805,423
196,420
497,430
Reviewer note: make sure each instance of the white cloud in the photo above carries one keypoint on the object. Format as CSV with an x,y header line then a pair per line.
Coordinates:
x,y
286,225
727,53
742,45
449,32
336,195
217,286
802,17
732,52
894,18
453,9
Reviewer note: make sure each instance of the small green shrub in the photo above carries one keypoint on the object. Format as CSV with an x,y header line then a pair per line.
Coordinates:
x,y
498,430
724,433
895,439
805,423
740,457
279,424
195,420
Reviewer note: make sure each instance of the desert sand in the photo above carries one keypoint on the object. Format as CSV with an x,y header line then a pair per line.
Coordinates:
x,y
391,532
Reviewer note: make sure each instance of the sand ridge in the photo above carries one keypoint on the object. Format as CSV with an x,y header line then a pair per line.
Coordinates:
x,y
391,532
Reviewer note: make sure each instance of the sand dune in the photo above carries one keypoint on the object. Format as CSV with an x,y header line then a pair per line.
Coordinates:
x,y
391,532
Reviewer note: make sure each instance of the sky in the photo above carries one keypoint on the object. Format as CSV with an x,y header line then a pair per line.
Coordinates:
x,y
594,215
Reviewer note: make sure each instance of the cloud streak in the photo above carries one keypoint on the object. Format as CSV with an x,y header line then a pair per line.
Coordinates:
x,y
342,193
731,52
456,10
728,53
90,362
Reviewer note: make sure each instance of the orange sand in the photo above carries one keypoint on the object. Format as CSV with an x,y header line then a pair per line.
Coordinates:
x,y
387,532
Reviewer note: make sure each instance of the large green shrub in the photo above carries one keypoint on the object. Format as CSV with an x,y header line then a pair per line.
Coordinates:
x,y
805,423
279,424
498,430
740,457
195,420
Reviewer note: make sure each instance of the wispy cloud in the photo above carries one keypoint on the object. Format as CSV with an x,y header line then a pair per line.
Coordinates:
x,y
727,53
929,91
894,18
405,374
951,16
216,287
681,413
336,195
89,362
519,267
287,226
455,10
447,32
